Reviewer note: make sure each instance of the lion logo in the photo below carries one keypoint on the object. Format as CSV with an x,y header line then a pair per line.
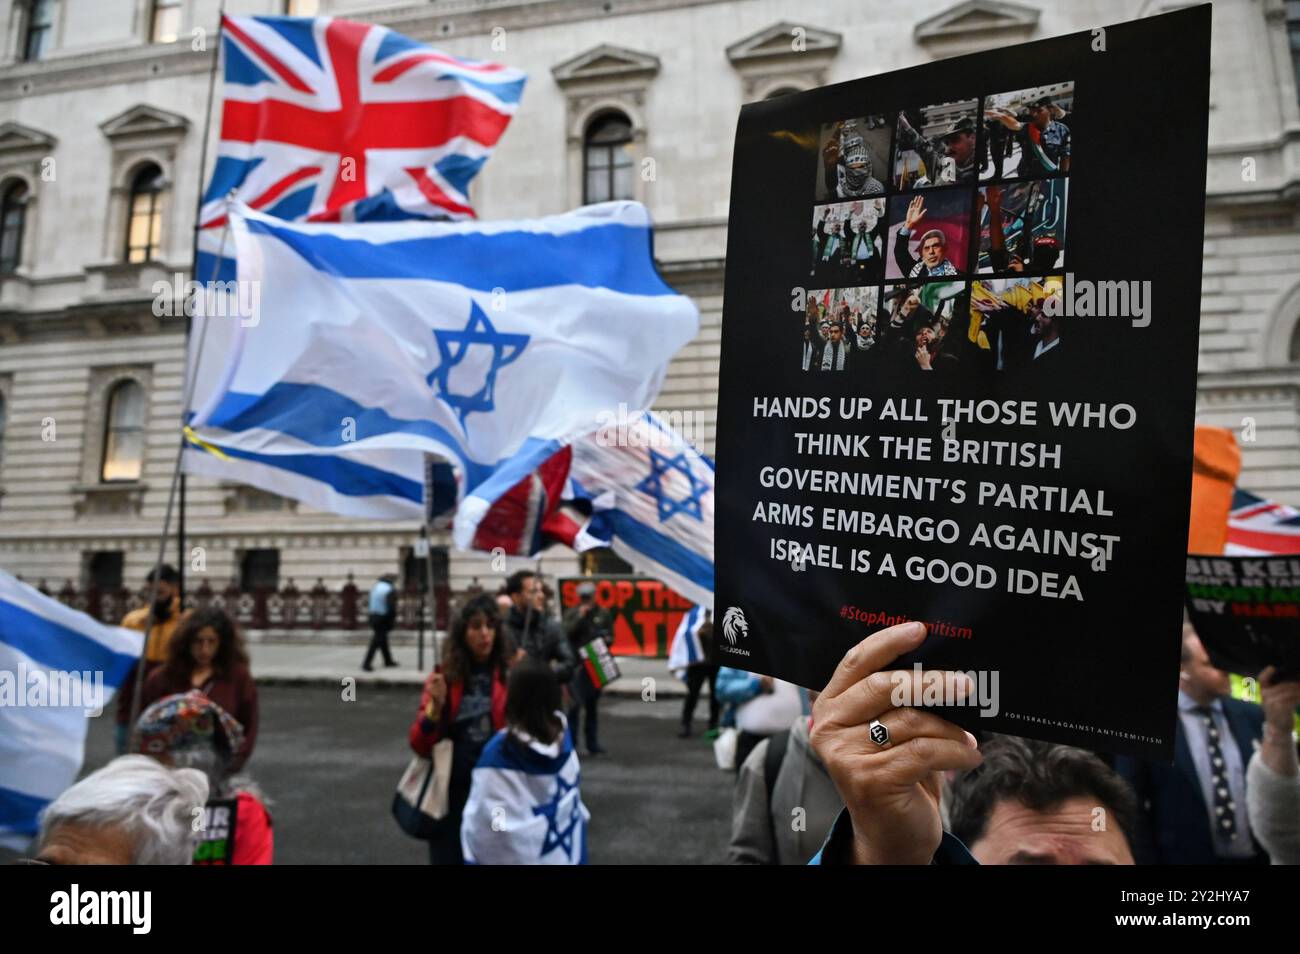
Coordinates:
x,y
734,625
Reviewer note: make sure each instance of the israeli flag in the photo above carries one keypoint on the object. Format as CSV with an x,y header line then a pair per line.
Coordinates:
x,y
524,806
651,498
686,649
57,667
357,349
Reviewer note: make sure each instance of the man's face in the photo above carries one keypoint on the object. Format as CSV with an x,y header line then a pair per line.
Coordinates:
x,y
525,594
1198,675
836,333
75,844
1040,116
924,337
932,251
166,590
1062,835
959,146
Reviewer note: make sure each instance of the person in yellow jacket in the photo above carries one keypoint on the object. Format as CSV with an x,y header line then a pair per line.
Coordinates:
x,y
167,615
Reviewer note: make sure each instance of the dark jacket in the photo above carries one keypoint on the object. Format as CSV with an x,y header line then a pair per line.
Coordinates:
x,y
542,639
835,850
1173,820
583,628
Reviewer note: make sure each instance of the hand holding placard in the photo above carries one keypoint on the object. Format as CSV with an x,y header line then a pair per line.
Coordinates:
x,y
891,792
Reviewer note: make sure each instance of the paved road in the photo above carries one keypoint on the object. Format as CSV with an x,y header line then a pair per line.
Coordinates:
x,y
330,767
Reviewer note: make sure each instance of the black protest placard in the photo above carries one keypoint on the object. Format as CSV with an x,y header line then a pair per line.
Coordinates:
x,y
1246,610
958,376
217,846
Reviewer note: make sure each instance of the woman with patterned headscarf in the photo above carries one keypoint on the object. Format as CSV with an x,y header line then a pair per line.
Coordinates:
x,y
189,730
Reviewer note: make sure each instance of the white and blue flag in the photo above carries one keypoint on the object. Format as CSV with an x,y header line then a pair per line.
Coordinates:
x,y
364,347
57,667
651,498
686,649
524,806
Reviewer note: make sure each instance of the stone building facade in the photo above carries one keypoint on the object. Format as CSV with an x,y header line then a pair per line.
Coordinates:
x,y
102,117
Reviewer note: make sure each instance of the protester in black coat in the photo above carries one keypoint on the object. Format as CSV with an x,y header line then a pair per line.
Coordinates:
x,y
532,631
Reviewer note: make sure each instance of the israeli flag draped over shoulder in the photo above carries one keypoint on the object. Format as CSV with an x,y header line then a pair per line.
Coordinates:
x,y
524,805
57,667
686,649
359,348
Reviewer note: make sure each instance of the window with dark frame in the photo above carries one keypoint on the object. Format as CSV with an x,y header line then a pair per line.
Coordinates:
x,y
602,561
414,570
102,570
123,433
607,160
144,215
13,218
259,570
38,29
165,26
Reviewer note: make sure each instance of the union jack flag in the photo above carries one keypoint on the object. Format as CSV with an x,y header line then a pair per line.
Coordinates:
x,y
1259,526
329,120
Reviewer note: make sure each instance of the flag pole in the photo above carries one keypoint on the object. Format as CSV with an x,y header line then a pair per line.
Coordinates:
x,y
426,536
426,542
182,557
178,478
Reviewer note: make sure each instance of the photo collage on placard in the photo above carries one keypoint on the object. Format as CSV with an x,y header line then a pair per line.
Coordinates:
x,y
938,233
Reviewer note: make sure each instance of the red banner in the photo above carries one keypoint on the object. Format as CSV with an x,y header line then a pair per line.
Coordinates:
x,y
644,611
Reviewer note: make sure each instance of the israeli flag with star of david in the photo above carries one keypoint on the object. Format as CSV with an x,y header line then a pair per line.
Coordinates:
x,y
650,494
524,805
358,349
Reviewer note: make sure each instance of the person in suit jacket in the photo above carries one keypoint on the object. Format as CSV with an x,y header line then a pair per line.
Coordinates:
x,y
1194,812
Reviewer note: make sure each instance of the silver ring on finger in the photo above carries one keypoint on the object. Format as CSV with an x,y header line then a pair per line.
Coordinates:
x,y
879,733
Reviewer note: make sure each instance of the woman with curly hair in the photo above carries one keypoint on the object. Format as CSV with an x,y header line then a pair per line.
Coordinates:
x,y
464,699
207,653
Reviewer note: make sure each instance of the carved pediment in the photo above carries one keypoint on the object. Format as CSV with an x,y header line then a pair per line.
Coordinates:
x,y
144,120
606,62
978,19
17,138
781,40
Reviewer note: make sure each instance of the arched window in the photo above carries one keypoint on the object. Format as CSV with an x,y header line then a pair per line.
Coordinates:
x,y
144,215
38,29
166,24
124,433
13,216
607,161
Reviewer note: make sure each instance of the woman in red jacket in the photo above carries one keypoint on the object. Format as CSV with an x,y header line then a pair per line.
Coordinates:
x,y
464,700
207,654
